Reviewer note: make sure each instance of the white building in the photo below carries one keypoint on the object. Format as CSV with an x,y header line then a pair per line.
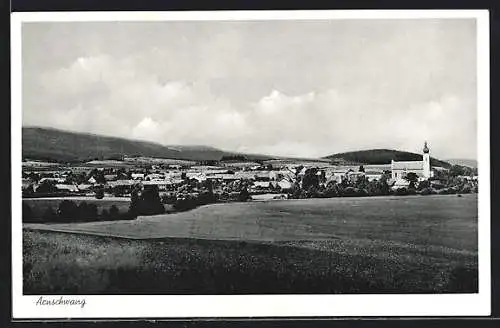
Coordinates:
x,y
421,168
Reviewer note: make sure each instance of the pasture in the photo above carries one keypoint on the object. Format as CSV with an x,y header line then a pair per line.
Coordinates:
x,y
413,244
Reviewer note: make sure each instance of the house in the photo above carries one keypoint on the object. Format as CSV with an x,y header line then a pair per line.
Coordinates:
x,y
354,176
155,176
110,177
26,183
261,185
285,185
137,176
371,176
56,180
84,187
161,184
92,180
120,186
67,187
422,168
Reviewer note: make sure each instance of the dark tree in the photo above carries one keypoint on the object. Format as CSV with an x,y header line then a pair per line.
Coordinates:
x,y
49,215
27,213
46,187
412,178
99,192
67,210
114,212
310,179
244,195
134,208
361,169
150,201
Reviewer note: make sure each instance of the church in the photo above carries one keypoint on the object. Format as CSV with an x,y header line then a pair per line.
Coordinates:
x,y
421,168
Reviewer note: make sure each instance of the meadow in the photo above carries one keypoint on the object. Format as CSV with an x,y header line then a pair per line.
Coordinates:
x,y
413,244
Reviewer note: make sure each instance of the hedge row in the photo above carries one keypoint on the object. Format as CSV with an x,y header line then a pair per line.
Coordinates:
x,y
69,211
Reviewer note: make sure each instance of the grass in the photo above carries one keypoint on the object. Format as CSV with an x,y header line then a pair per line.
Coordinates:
x,y
362,245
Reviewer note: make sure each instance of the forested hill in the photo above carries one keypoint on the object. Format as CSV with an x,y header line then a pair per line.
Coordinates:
x,y
64,146
382,156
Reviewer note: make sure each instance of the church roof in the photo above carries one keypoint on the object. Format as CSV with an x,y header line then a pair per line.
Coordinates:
x,y
407,165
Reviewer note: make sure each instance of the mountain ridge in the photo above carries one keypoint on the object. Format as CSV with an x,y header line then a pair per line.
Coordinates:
x,y
66,146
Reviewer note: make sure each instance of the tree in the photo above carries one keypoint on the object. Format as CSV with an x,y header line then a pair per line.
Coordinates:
x,y
310,179
244,195
424,185
412,178
47,187
67,210
99,192
28,191
27,213
150,201
49,215
114,212
361,169
134,207
87,212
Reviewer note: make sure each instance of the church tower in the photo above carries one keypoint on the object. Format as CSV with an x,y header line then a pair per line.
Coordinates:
x,y
426,162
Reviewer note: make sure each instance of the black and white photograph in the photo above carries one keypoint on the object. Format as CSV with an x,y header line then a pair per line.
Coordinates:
x,y
250,164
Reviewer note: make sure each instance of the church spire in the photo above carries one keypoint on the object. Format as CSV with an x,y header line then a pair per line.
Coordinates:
x,y
426,149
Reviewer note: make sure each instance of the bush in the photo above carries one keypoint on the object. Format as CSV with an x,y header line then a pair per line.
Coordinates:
x,y
68,210
114,213
49,215
401,192
104,215
99,193
87,212
27,213
349,192
411,191
150,202
427,191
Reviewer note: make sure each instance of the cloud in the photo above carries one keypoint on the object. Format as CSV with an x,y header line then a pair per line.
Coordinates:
x,y
284,88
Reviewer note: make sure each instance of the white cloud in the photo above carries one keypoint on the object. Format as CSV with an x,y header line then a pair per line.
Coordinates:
x,y
307,96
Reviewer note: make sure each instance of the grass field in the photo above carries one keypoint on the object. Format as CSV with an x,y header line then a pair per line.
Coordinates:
x,y
356,245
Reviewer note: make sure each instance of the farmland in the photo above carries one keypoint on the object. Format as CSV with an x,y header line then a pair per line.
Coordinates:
x,y
342,245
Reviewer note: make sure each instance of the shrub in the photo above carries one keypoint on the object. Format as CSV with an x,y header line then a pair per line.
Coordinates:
x,y
411,191
104,215
99,193
49,215
68,210
114,213
244,195
150,202
427,191
401,192
27,213
349,192
362,192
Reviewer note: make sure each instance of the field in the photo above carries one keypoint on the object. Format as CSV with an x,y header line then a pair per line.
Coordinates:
x,y
342,245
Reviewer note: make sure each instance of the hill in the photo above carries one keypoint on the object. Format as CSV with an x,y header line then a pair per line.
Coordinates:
x,y
64,146
382,156
463,162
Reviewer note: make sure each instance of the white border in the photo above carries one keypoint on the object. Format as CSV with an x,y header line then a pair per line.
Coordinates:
x,y
259,305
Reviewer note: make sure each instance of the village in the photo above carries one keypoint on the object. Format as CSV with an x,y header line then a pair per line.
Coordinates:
x,y
242,180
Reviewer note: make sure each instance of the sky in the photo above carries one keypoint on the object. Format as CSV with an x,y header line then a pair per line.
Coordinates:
x,y
288,88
